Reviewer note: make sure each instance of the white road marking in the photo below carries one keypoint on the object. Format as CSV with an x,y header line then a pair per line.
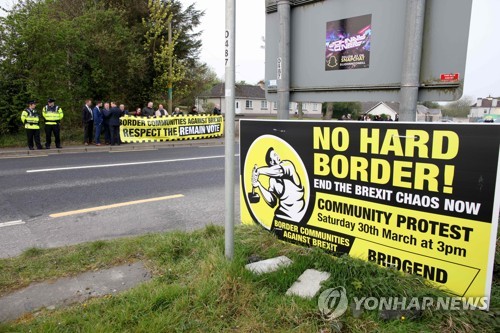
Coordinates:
x,y
11,223
126,164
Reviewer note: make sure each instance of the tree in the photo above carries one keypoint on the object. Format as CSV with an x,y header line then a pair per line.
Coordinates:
x,y
160,42
431,105
77,49
460,108
339,109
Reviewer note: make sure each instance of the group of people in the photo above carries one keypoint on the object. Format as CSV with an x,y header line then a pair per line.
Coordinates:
x,y
103,118
366,117
148,111
52,115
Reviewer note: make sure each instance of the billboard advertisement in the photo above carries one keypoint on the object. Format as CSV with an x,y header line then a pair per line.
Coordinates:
x,y
348,43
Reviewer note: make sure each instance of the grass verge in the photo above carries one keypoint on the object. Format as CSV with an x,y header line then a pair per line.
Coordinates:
x,y
69,137
195,289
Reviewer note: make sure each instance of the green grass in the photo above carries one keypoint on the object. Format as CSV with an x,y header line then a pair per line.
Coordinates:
x,y
195,289
69,136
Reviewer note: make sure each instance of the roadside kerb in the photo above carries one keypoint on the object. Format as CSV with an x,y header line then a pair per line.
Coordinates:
x,y
9,152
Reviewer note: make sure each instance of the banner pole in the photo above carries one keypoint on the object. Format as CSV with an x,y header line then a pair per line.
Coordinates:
x,y
283,74
229,58
410,81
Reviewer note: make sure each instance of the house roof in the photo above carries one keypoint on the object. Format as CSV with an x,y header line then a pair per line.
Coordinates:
x,y
486,102
243,91
366,107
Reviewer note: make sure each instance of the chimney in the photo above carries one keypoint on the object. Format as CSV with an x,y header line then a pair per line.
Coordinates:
x,y
479,102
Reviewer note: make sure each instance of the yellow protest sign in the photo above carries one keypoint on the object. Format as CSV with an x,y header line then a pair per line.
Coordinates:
x,y
167,128
421,198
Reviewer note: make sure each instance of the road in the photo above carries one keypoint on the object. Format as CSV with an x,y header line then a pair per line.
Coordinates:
x,y
63,199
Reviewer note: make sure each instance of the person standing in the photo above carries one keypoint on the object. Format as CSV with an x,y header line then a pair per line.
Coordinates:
x,y
52,114
194,111
98,118
31,121
161,111
88,122
124,111
148,111
216,110
114,124
136,113
106,113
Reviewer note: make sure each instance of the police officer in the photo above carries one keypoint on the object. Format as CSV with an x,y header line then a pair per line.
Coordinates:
x,y
52,115
31,120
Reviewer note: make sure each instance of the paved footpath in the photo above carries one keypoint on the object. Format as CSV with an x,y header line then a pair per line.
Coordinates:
x,y
66,291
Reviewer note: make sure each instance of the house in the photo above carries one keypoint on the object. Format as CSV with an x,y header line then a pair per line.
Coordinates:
x,y
249,100
391,109
428,115
484,107
380,108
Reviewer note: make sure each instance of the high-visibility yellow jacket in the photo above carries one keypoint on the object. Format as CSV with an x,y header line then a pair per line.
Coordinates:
x,y
52,115
30,119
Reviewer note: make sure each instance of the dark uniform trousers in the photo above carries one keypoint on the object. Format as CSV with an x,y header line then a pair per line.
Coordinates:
x,y
49,129
33,134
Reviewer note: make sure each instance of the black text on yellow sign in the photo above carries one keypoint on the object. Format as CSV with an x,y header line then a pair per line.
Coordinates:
x,y
134,129
426,176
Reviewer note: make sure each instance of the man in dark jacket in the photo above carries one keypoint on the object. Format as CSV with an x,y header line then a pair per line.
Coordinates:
x,y
98,117
88,122
148,111
114,123
106,113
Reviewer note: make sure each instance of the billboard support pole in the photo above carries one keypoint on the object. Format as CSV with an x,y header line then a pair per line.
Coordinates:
x,y
283,60
229,126
410,81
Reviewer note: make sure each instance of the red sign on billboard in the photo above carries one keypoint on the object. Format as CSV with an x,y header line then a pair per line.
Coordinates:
x,y
450,77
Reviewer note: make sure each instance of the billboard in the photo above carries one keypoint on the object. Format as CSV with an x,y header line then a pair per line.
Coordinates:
x,y
422,198
369,35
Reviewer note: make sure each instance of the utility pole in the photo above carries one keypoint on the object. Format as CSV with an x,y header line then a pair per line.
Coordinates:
x,y
410,81
170,67
229,58
283,74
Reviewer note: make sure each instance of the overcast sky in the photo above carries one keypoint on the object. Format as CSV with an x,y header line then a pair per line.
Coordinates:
x,y
482,75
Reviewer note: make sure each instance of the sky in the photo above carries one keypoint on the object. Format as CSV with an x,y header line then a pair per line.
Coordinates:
x,y
482,74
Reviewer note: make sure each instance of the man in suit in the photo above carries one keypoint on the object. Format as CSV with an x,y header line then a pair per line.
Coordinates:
x,y
106,113
114,123
98,119
88,122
